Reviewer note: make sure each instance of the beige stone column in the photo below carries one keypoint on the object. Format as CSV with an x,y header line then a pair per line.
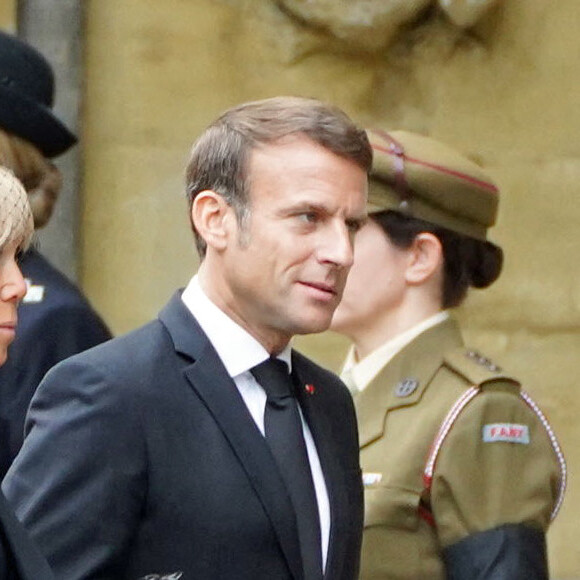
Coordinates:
x,y
55,27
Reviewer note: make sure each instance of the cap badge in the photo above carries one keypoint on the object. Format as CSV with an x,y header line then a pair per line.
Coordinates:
x,y
406,387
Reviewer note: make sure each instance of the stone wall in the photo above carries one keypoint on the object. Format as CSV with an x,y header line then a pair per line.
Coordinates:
x,y
8,15
504,90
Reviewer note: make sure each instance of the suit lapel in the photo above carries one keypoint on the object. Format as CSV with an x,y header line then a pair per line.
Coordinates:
x,y
328,454
209,378
418,361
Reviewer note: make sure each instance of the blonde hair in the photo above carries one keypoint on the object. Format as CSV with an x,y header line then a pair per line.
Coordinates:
x,y
16,224
40,178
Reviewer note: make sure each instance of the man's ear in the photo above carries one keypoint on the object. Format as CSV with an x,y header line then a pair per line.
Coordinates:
x,y
425,259
210,214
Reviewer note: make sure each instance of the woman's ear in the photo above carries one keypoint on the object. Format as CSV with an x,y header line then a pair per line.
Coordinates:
x,y
210,214
425,259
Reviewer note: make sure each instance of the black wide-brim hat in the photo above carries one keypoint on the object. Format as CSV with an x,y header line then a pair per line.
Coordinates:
x,y
27,96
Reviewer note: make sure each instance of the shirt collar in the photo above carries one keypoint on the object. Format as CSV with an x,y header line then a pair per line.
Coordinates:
x,y
360,373
238,350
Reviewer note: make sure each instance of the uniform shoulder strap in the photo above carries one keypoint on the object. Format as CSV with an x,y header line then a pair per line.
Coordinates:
x,y
479,371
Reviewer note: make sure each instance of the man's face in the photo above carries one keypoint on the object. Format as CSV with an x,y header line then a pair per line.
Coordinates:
x,y
376,284
285,269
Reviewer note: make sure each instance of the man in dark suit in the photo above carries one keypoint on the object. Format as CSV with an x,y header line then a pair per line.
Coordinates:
x,y
163,451
19,557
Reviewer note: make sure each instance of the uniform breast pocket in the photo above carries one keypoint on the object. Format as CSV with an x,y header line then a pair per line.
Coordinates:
x,y
391,506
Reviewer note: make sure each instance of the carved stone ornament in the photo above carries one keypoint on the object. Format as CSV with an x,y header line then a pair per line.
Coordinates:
x,y
466,13
372,24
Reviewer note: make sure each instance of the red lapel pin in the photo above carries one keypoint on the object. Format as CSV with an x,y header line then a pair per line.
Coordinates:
x,y
309,389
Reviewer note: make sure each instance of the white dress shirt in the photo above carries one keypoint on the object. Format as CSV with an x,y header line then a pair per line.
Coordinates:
x,y
357,375
239,352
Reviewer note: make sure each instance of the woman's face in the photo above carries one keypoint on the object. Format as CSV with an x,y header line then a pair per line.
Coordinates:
x,y
16,228
12,290
376,283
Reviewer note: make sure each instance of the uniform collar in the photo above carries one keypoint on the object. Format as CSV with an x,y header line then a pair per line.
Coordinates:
x,y
415,365
359,374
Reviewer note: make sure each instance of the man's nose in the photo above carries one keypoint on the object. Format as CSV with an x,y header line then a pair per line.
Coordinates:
x,y
337,246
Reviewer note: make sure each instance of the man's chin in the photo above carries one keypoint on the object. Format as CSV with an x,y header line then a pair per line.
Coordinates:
x,y
314,325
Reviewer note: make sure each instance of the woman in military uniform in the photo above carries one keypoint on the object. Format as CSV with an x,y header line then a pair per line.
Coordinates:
x,y
461,469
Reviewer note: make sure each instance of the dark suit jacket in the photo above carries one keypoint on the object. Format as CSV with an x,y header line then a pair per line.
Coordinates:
x,y
19,558
63,323
141,457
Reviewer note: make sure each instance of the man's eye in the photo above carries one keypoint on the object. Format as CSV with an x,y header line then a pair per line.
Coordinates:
x,y
309,217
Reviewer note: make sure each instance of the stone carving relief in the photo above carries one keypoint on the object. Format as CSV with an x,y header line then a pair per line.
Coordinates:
x,y
371,25
466,13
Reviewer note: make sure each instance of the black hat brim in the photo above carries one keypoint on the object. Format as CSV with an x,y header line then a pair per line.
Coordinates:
x,y
33,122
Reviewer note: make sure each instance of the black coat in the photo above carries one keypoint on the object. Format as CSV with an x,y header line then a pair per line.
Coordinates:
x,y
141,457
49,330
19,558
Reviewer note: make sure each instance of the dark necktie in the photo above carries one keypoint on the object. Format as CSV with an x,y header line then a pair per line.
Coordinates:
x,y
283,430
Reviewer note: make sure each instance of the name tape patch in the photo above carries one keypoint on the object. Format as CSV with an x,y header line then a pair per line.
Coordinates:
x,y
507,432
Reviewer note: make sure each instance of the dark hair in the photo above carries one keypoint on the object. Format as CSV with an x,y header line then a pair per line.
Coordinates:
x,y
219,158
467,261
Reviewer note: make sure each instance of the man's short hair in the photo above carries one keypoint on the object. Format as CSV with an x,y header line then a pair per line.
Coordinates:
x,y
219,158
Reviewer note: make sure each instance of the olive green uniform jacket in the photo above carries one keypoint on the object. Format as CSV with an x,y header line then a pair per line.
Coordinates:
x,y
515,477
